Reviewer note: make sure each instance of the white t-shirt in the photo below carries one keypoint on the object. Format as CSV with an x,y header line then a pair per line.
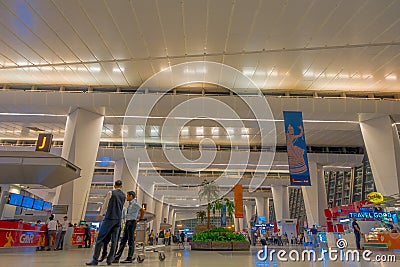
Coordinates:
x,y
65,226
52,225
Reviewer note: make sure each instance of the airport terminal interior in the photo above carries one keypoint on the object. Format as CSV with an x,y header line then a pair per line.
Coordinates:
x,y
199,133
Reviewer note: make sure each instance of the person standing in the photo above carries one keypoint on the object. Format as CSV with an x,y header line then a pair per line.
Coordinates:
x,y
112,213
314,236
151,237
132,217
64,228
51,231
357,233
87,237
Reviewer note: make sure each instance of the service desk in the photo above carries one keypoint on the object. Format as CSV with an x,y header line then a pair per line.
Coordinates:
x,y
16,234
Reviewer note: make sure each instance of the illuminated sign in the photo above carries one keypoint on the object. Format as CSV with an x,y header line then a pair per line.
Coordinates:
x,y
370,215
44,142
375,197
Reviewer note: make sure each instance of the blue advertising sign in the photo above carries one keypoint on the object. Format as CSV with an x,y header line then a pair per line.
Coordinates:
x,y
296,149
223,216
370,215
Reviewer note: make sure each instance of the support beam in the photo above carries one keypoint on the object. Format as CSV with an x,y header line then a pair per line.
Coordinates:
x,y
280,196
81,143
315,199
382,142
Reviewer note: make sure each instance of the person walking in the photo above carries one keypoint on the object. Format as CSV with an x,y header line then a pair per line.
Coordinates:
x,y
132,216
357,233
51,231
112,212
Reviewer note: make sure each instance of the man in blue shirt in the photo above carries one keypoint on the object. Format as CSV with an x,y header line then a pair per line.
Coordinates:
x,y
132,216
314,236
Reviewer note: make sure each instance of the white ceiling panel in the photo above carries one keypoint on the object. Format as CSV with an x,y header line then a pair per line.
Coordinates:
x,y
195,17
79,20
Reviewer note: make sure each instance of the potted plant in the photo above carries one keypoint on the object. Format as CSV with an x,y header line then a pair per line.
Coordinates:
x,y
209,191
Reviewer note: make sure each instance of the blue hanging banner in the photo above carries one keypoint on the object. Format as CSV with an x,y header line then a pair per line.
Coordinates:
x,y
223,216
296,149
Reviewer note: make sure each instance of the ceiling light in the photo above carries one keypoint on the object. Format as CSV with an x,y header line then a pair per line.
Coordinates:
x,y
245,131
154,131
118,69
95,69
200,130
139,131
215,130
230,131
185,131
391,77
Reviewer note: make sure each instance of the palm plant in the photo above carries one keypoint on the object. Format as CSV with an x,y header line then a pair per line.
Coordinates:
x,y
201,215
208,191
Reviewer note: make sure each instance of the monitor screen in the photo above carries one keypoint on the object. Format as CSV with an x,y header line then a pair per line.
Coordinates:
x,y
15,199
47,206
38,204
27,202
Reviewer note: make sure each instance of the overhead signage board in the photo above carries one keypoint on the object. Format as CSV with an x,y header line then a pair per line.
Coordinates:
x,y
60,209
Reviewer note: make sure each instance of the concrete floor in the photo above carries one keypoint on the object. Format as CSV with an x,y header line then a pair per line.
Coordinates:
x,y
174,257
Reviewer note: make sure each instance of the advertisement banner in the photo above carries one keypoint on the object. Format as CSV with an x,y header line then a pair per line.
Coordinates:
x,y
296,149
14,234
223,216
238,196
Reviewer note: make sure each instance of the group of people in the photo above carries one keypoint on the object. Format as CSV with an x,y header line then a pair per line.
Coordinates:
x,y
278,238
56,231
161,238
110,228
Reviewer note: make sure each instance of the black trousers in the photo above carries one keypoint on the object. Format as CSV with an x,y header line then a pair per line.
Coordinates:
x,y
108,227
127,237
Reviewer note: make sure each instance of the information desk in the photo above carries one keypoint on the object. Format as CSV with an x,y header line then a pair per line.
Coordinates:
x,y
16,234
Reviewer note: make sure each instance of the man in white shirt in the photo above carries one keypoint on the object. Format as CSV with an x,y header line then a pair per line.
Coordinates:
x,y
60,239
51,229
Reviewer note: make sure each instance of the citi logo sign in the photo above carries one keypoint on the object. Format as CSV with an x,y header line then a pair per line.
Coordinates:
x,y
26,239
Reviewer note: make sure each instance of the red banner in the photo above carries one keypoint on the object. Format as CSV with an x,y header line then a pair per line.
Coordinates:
x,y
78,236
238,194
15,234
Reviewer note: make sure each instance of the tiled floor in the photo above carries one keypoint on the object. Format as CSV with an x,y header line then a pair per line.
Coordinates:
x,y
174,257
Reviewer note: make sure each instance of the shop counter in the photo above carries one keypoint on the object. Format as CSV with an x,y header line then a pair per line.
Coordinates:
x,y
382,239
17,234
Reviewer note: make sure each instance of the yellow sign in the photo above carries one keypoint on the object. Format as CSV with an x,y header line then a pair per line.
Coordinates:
x,y
44,142
375,197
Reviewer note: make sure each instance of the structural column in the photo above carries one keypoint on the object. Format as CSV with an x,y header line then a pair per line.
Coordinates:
x,y
121,172
382,142
314,196
267,211
165,213
81,143
280,196
158,217
260,205
248,209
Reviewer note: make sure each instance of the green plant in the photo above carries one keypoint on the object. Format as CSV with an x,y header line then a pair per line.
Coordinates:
x,y
219,234
210,191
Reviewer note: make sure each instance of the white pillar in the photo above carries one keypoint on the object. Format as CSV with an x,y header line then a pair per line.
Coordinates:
x,y
267,210
165,213
158,212
281,202
381,140
315,196
241,221
173,221
121,172
248,209
171,215
260,204
81,143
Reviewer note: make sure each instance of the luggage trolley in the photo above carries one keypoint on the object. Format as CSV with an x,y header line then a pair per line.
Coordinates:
x,y
140,244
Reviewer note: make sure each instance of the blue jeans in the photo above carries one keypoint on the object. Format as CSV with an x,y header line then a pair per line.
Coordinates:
x,y
109,228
